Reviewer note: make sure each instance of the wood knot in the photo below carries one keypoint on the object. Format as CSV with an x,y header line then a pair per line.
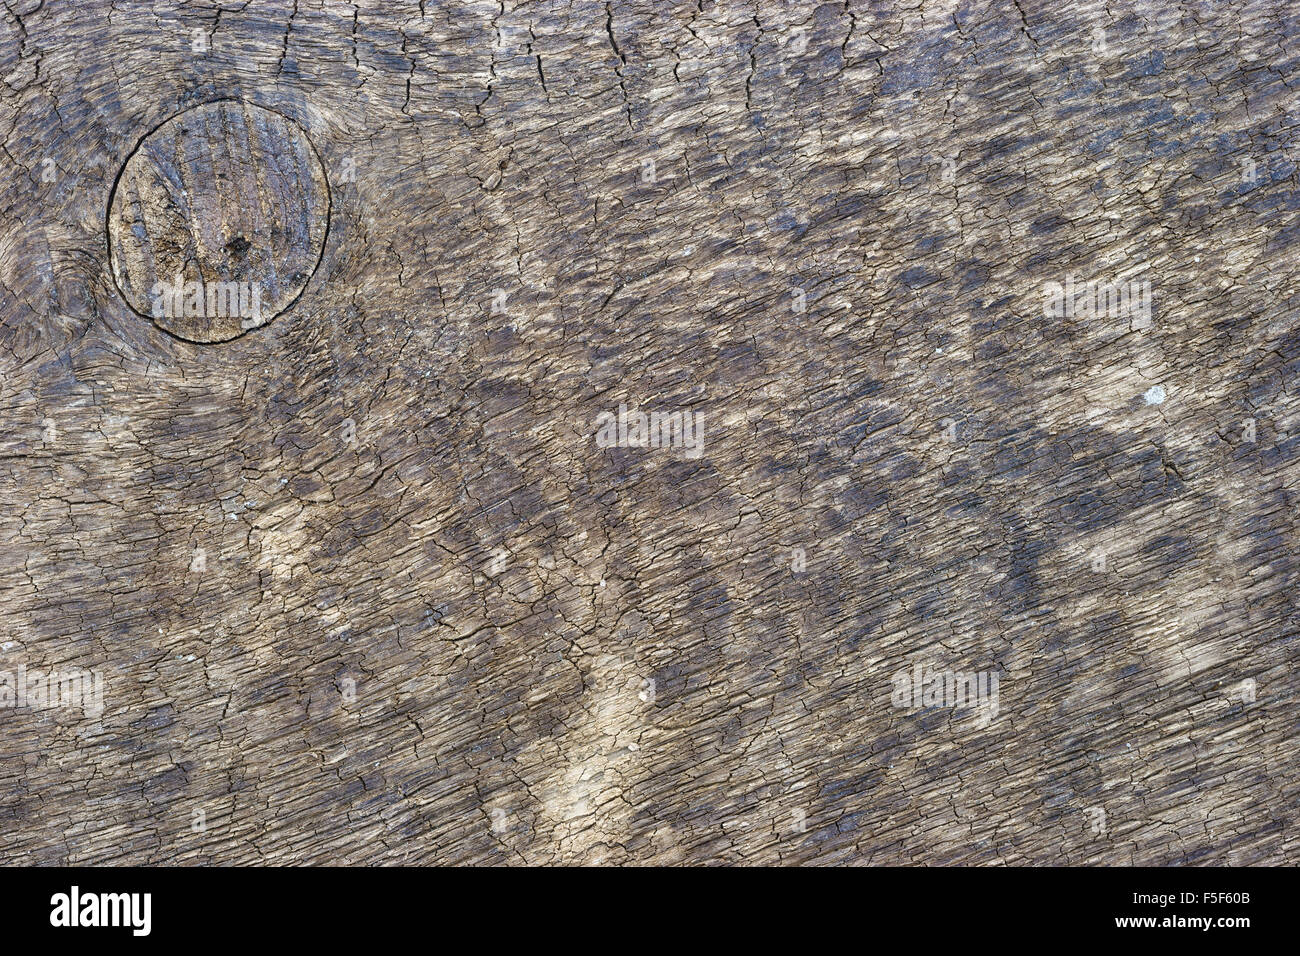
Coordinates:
x,y
218,220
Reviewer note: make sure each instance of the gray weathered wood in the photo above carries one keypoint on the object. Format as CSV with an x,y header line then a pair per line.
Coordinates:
x,y
363,587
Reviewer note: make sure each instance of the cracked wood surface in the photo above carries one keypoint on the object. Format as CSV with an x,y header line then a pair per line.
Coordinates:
x,y
363,588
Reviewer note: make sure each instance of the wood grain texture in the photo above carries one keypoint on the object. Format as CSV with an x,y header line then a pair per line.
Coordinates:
x,y
363,587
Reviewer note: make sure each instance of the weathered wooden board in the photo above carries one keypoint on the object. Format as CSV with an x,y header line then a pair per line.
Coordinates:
x,y
363,586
